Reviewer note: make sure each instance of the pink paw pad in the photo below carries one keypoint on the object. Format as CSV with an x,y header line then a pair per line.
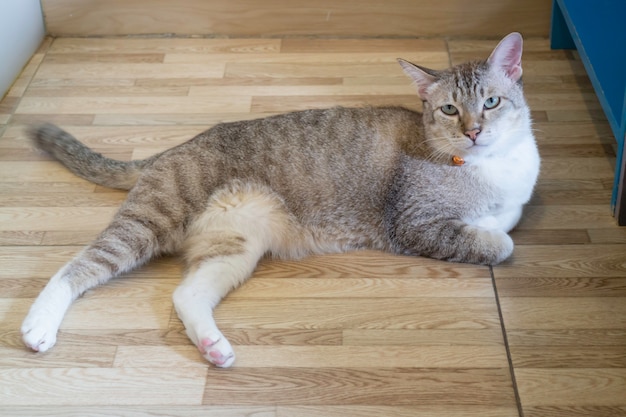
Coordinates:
x,y
205,344
218,358
216,350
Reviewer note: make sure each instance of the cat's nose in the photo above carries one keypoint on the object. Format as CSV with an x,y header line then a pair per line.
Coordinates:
x,y
472,134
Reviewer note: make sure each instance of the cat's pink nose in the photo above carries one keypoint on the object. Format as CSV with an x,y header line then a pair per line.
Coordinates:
x,y
472,134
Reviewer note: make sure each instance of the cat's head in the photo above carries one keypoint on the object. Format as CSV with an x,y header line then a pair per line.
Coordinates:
x,y
476,108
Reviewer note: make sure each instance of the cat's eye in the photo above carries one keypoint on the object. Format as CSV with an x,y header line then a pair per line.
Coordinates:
x,y
449,109
492,103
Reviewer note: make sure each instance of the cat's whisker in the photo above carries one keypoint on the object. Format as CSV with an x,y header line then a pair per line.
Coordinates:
x,y
443,152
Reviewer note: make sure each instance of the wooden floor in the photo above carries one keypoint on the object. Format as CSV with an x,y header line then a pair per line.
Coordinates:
x,y
357,335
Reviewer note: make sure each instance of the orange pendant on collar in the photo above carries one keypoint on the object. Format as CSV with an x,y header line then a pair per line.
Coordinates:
x,y
457,160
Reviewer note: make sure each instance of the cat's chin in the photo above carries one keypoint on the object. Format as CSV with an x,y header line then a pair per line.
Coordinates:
x,y
475,154
476,150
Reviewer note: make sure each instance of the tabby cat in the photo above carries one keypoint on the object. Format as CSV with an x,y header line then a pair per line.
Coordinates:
x,y
448,183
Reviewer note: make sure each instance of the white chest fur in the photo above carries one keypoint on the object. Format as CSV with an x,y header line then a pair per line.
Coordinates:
x,y
512,177
515,173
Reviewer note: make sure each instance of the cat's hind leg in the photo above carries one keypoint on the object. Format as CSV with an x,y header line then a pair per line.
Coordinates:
x,y
240,225
141,229
125,244
202,289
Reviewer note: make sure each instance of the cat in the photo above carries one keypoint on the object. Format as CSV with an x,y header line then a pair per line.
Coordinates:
x,y
448,183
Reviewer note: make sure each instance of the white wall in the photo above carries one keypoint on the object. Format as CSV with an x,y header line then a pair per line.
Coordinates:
x,y
21,32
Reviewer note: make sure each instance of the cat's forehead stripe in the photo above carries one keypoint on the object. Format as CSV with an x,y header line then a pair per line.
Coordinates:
x,y
467,80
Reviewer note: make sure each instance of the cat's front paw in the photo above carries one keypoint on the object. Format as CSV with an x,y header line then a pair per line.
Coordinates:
x,y
39,331
493,247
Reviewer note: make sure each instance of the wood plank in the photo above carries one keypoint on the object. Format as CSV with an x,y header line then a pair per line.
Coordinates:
x,y
20,238
378,314
574,411
132,105
550,194
299,91
112,199
101,386
550,236
564,261
566,101
105,91
180,410
402,411
563,216
175,336
97,313
242,82
275,104
199,120
356,45
120,138
564,313
572,387
609,235
69,237
95,356
593,115
319,69
61,119
44,261
43,83
55,218
429,337
569,357
575,150
533,44
125,71
562,287
147,45
576,168
384,287
280,337
119,58
567,337
344,386
367,264
561,133
441,357
436,57
546,185
37,187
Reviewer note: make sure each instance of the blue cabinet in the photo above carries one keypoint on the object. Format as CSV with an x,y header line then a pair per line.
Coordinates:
x,y
597,29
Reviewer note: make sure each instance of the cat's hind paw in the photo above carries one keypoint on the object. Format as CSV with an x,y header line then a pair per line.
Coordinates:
x,y
217,351
39,333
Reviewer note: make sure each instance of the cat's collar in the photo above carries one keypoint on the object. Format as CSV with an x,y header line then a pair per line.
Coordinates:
x,y
457,160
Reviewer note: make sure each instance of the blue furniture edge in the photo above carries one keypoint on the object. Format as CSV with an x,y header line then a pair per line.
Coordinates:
x,y
590,27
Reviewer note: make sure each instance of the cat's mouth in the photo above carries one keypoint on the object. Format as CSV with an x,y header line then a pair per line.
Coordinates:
x,y
473,147
477,144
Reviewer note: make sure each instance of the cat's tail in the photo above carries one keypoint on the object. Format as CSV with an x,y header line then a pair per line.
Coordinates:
x,y
85,162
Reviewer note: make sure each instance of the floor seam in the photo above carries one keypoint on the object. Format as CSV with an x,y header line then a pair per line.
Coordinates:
x,y
518,400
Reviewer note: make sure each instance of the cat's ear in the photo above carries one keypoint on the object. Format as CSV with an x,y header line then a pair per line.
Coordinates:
x,y
508,56
422,77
